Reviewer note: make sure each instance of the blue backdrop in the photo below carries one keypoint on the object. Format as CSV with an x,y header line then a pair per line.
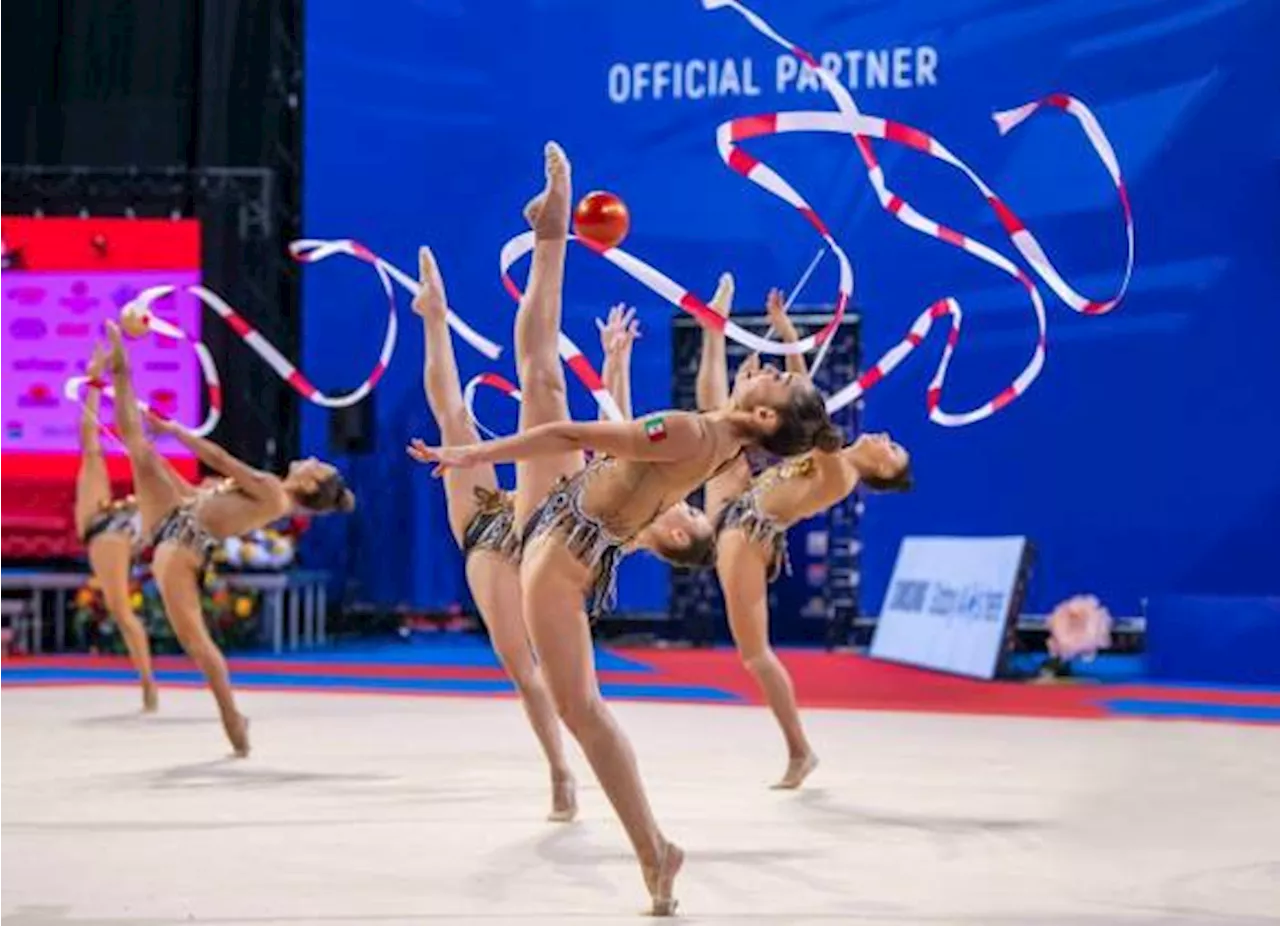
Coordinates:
x,y
1145,460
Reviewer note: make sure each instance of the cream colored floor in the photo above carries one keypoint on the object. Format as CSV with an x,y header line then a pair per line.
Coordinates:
x,y
383,810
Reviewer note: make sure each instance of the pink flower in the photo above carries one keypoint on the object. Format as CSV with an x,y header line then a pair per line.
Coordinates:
x,y
1080,626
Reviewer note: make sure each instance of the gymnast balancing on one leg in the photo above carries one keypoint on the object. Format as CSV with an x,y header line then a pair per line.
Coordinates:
x,y
752,517
577,520
111,532
482,518
184,525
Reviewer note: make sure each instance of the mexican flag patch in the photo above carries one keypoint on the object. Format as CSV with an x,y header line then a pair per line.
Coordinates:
x,y
655,429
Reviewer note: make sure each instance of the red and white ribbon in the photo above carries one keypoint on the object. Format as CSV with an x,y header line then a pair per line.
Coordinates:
x,y
283,367
314,250
305,251
492,381
658,282
573,358
848,120
683,299
141,307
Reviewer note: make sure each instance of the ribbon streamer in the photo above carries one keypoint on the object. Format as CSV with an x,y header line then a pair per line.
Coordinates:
x,y
848,120
304,251
493,381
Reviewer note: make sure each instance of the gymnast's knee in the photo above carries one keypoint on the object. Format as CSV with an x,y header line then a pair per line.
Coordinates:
x,y
757,659
542,378
580,713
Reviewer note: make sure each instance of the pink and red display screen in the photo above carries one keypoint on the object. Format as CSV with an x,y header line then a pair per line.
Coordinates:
x,y
62,279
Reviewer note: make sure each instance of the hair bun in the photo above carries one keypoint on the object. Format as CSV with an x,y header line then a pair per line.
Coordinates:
x,y
829,438
347,501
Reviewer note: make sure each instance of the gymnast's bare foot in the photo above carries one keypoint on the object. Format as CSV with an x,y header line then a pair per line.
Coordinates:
x,y
431,301
548,212
150,698
564,799
117,361
798,769
238,732
661,880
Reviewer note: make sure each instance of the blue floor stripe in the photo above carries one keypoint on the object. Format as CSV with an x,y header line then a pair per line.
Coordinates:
x,y
1194,710
429,650
312,682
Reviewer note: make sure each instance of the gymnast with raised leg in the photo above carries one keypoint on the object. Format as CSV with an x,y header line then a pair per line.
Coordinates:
x,y
752,516
482,518
185,524
111,531
577,519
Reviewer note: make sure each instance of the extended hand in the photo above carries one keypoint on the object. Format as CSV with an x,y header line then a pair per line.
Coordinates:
x,y
776,309
620,331
444,457
162,425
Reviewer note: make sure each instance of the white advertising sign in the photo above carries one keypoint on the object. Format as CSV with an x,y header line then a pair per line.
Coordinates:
x,y
948,603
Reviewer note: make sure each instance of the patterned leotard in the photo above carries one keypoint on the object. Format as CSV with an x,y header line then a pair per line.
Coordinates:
x,y
745,514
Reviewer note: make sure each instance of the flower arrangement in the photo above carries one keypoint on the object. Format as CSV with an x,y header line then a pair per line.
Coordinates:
x,y
272,548
266,549
229,614
1079,627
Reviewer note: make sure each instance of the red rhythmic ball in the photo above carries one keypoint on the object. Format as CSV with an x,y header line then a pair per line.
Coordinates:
x,y
602,218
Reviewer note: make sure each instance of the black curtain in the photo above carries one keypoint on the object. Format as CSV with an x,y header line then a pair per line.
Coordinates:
x,y
99,82
190,84
237,122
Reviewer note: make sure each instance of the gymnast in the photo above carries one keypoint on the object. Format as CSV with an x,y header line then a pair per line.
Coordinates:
x,y
184,524
752,516
577,519
111,531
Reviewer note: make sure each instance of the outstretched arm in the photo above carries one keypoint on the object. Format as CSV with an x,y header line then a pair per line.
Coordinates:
x,y
617,335
665,436
776,309
713,368
253,482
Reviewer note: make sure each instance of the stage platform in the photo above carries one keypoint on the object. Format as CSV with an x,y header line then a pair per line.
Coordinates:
x,y
389,786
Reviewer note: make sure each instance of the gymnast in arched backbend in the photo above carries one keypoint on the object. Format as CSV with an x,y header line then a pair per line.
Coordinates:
x,y
752,516
111,531
482,518
185,524
577,520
